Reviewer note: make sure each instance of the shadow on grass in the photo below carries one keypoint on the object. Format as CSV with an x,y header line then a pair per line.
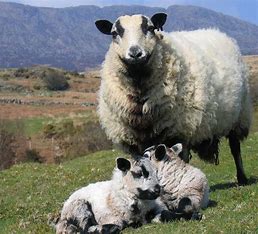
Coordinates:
x,y
212,203
251,180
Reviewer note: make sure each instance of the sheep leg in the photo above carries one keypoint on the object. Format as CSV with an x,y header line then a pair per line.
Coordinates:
x,y
77,219
104,229
234,144
186,210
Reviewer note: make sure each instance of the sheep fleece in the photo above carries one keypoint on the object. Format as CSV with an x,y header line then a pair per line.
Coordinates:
x,y
197,88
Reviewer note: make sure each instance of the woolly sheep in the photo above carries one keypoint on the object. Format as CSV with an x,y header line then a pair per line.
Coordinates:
x,y
185,188
189,87
110,206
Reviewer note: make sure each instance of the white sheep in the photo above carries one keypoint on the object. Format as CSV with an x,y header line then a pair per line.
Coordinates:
x,y
110,206
185,188
188,87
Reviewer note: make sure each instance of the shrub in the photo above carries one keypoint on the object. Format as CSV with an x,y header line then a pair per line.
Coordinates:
x,y
13,143
55,80
49,130
36,87
33,155
75,141
22,72
88,138
7,154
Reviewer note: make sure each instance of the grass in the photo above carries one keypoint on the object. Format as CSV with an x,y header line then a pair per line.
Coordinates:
x,y
35,125
31,193
26,126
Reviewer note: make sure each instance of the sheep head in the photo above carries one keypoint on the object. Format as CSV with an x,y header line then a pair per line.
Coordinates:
x,y
134,37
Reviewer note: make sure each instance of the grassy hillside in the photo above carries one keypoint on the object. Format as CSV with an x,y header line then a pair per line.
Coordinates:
x,y
32,193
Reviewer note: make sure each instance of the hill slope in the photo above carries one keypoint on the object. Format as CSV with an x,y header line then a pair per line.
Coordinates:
x,y
32,193
68,38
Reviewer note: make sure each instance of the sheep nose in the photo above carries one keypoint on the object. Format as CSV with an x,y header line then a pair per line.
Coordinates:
x,y
135,52
157,189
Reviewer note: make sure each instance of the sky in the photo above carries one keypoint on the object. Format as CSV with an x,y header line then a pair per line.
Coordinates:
x,y
243,9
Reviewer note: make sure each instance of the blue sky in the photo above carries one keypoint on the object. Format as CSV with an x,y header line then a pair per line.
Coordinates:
x,y
243,9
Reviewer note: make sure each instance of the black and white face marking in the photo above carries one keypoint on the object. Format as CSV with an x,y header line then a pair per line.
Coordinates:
x,y
134,37
117,30
143,172
147,27
142,180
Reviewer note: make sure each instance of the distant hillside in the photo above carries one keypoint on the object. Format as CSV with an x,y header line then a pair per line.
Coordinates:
x,y
68,38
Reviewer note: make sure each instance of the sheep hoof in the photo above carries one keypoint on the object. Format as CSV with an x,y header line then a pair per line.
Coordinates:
x,y
96,229
104,229
110,229
242,180
167,216
196,216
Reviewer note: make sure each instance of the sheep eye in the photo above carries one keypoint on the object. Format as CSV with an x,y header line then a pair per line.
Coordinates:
x,y
114,34
151,29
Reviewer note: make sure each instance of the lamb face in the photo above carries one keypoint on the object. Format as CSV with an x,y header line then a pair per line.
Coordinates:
x,y
185,188
139,178
112,205
134,38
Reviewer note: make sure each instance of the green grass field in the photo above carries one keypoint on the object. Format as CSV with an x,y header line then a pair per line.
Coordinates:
x,y
31,193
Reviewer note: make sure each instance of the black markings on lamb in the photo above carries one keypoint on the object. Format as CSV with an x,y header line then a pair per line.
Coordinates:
x,y
110,206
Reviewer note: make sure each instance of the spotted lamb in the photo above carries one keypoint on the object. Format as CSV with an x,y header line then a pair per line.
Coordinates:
x,y
110,206
185,188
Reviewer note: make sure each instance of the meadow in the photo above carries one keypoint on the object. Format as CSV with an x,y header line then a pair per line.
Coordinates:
x,y
32,193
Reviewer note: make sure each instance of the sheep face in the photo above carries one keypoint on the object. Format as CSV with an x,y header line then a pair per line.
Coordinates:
x,y
139,178
134,37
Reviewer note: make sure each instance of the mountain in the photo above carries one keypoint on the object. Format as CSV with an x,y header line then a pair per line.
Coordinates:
x,y
67,37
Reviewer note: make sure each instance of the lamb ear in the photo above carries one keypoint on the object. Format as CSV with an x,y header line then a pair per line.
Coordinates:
x,y
123,164
160,152
104,26
158,20
177,149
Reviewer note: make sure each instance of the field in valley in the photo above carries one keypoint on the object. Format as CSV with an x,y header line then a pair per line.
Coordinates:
x,y
55,126
32,194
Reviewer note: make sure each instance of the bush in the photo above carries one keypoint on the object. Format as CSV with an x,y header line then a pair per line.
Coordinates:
x,y
90,138
75,141
49,130
55,80
7,154
13,143
22,72
33,155
36,87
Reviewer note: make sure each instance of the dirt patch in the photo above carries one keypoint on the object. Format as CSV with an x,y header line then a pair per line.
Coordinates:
x,y
14,111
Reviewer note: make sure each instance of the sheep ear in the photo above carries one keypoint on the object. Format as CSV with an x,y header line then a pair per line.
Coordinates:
x,y
159,20
160,152
123,164
177,149
104,26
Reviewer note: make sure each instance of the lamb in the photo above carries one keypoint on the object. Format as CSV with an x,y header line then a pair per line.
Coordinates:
x,y
189,87
185,188
110,206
